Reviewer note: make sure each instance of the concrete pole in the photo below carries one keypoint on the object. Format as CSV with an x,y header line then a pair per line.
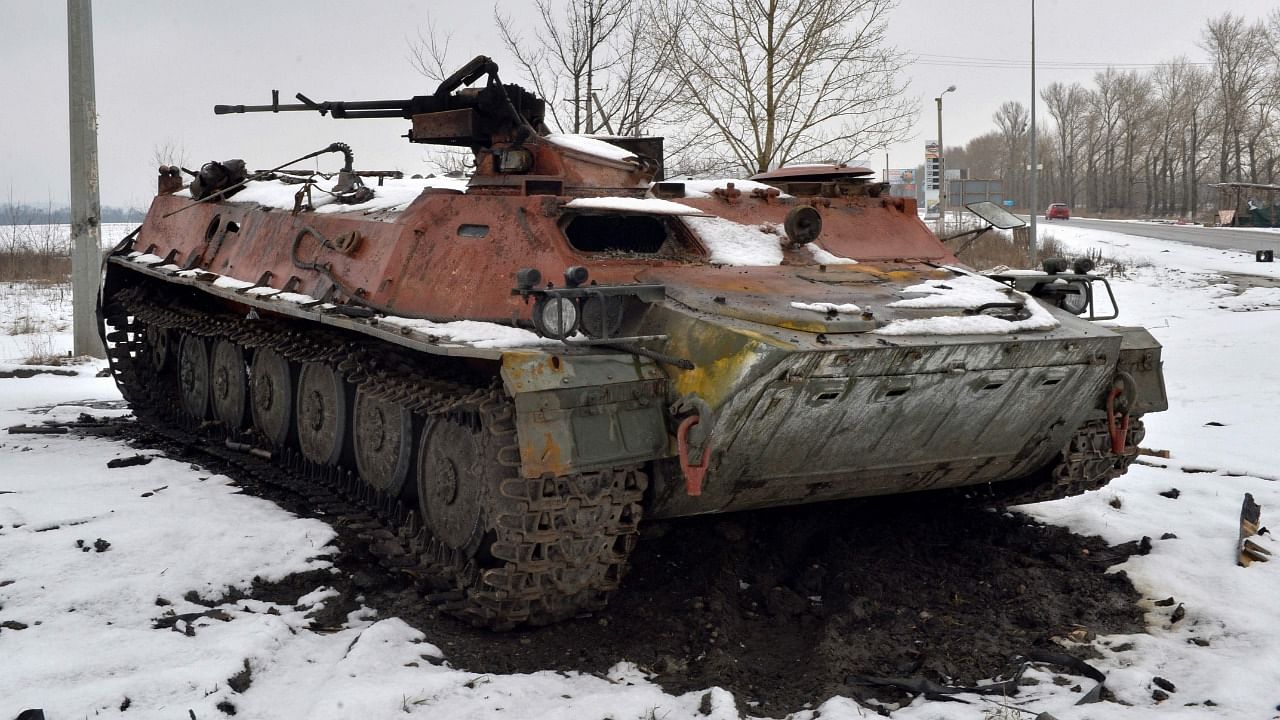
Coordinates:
x,y
591,31
1035,170
86,237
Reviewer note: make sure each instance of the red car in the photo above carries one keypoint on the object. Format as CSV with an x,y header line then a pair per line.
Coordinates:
x,y
1058,211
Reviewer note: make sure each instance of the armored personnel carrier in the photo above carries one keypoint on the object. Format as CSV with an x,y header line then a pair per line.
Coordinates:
x,y
522,365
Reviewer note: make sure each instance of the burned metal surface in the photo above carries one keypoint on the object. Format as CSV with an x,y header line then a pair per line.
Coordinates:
x,y
664,383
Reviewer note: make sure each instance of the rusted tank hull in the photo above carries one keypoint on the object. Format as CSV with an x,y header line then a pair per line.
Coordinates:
x,y
795,415
512,371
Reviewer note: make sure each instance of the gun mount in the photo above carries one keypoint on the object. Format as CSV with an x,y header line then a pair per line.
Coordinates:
x,y
472,117
503,125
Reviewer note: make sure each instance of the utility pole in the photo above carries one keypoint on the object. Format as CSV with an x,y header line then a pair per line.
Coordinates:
x,y
86,238
591,33
1035,171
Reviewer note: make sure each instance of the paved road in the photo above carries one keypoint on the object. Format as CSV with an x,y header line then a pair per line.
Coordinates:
x,y
1222,238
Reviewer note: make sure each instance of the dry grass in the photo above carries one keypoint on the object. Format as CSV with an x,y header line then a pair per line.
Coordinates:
x,y
23,325
38,349
35,315
39,253
993,249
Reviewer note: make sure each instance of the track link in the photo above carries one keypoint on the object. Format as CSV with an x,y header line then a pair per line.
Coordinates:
x,y
555,547
1087,463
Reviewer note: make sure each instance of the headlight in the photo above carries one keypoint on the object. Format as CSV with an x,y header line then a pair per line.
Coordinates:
x,y
1075,297
602,316
555,317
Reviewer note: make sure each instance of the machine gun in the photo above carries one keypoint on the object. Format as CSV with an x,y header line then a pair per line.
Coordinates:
x,y
474,117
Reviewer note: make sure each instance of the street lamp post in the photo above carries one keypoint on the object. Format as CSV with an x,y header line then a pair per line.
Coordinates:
x,y
942,181
1035,170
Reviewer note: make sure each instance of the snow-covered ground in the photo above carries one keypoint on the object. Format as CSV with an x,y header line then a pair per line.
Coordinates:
x,y
77,634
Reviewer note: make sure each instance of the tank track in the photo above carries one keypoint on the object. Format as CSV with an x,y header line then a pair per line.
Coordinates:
x,y
557,546
1087,463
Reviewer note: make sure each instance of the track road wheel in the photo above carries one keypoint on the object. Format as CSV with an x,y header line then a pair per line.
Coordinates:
x,y
271,391
323,414
520,550
193,375
458,472
229,383
383,442
156,340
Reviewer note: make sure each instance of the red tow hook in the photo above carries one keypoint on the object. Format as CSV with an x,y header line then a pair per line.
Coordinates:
x,y
1118,428
693,474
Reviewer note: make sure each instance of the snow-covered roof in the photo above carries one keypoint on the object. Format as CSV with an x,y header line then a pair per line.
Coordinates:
x,y
824,257
470,332
474,333
826,307
704,187
648,206
591,146
732,243
393,194
966,292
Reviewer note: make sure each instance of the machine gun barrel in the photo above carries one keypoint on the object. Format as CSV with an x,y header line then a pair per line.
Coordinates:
x,y
343,109
450,116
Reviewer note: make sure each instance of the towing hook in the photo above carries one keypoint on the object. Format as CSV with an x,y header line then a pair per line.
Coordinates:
x,y
694,473
1120,400
699,433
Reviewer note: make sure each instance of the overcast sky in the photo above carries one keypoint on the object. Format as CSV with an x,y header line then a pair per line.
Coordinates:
x,y
162,65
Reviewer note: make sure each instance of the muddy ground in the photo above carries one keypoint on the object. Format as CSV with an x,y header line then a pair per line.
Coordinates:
x,y
786,608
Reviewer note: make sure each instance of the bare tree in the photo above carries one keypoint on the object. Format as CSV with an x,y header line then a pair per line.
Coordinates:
x,y
1012,118
1241,52
429,55
1067,107
570,48
1134,91
982,156
1180,115
1106,110
1144,141
640,92
1200,119
598,64
1168,117
775,81
169,152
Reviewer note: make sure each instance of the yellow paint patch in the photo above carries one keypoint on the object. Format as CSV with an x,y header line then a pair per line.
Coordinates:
x,y
522,369
714,379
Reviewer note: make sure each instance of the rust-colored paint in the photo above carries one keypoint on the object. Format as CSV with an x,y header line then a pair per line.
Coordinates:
x,y
801,405
859,227
416,262
814,171
528,370
547,456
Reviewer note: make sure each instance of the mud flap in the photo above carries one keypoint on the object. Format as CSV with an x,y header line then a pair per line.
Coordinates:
x,y
586,412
